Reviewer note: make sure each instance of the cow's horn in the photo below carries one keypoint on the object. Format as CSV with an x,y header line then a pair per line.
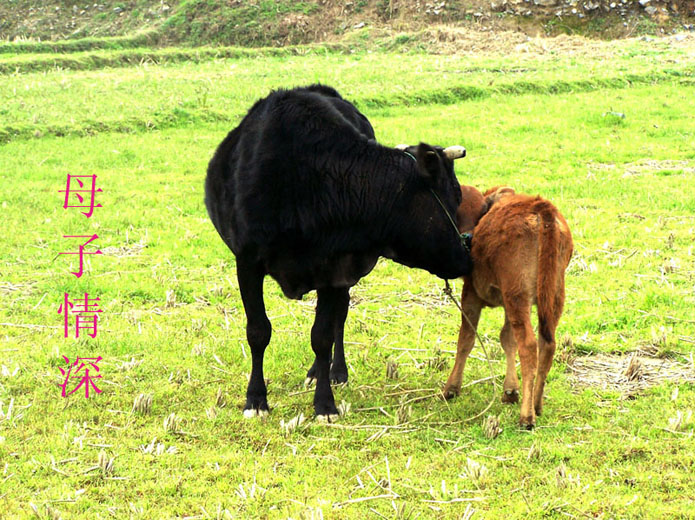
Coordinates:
x,y
401,147
454,152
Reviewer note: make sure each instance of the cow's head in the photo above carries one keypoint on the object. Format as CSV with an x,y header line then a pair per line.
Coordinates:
x,y
428,236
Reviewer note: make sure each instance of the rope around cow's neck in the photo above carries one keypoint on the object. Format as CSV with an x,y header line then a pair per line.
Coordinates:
x,y
465,238
447,290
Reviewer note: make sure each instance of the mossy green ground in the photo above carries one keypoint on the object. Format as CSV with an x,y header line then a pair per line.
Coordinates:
x,y
173,324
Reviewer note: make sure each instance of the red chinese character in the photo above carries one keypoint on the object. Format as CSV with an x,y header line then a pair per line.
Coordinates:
x,y
81,251
73,372
86,314
70,188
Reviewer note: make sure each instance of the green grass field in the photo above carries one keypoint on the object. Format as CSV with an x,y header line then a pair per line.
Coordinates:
x,y
173,323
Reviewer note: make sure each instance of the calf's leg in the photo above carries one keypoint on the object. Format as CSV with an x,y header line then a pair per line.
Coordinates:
x,y
511,381
470,306
329,306
518,310
258,330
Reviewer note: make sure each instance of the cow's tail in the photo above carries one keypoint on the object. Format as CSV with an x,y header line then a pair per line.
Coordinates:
x,y
548,258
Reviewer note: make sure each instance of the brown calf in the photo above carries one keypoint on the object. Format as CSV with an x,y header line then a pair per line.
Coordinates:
x,y
521,248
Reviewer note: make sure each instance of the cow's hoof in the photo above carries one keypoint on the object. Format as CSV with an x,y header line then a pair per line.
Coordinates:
x,y
255,412
510,396
256,406
310,376
325,408
338,377
327,418
338,374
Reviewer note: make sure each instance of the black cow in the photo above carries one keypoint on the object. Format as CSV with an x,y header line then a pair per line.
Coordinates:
x,y
347,109
301,191
338,368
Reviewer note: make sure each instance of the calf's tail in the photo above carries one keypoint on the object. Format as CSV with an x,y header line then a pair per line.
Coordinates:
x,y
548,257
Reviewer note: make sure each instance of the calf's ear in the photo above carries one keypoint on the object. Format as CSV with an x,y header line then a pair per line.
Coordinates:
x,y
428,162
493,195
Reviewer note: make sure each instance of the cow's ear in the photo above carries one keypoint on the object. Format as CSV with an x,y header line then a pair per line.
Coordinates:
x,y
428,163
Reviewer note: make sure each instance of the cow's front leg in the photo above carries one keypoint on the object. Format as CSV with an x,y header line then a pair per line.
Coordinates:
x,y
327,306
338,371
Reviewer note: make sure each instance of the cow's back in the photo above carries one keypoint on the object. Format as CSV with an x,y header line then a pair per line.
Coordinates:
x,y
266,177
280,189
347,109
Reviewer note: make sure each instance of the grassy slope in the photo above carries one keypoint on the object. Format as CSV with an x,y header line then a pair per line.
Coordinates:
x,y
616,459
196,22
208,87
68,25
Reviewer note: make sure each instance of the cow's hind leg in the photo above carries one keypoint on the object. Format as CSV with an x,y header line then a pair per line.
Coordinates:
x,y
511,381
328,306
338,372
258,330
471,306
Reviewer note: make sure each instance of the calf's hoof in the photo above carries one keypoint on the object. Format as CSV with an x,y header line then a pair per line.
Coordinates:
x,y
450,391
527,423
510,396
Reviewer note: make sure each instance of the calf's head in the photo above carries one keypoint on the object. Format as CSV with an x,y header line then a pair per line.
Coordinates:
x,y
475,204
497,193
427,236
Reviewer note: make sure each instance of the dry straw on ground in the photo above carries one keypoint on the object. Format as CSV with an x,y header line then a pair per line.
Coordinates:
x,y
142,404
491,426
453,40
632,373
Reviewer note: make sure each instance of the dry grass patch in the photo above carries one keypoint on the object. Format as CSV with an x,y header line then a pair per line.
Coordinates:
x,y
644,166
463,40
630,374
